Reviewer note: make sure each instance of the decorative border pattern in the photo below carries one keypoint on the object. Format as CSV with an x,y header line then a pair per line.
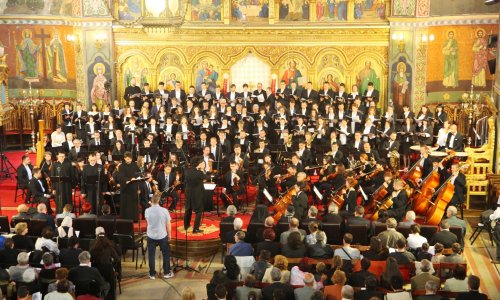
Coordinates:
x,y
420,70
55,22
445,22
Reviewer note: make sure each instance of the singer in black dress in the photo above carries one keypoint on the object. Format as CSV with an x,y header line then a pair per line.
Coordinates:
x,y
93,183
129,202
62,188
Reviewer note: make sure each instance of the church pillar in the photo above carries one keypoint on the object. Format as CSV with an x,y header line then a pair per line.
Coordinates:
x,y
350,10
226,12
312,10
272,12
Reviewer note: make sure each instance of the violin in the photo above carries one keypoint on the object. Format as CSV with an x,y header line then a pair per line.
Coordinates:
x,y
285,177
236,184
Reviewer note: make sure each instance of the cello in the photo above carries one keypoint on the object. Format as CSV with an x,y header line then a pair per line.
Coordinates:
x,y
385,205
282,203
376,198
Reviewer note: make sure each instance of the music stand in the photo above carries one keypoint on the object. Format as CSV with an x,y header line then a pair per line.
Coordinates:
x,y
151,151
138,180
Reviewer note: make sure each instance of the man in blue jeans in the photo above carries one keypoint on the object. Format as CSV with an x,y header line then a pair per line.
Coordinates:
x,y
159,232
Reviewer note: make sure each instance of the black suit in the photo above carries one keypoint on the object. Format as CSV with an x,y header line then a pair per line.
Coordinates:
x,y
49,219
162,186
82,277
358,221
230,190
458,142
349,202
182,94
472,295
460,189
267,292
313,95
306,157
399,206
195,193
300,205
445,237
432,297
22,175
368,294
68,257
333,219
427,167
73,154
375,95
37,190
319,251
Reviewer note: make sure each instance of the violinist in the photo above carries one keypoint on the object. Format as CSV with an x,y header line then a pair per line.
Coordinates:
x,y
239,157
350,195
45,167
390,145
425,162
365,166
385,178
459,181
337,155
234,184
39,190
373,155
266,181
297,163
399,199
300,200
304,155
328,176
167,182
288,180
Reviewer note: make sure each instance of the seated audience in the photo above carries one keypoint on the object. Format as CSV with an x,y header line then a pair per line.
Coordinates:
x,y
347,252
415,240
85,277
259,267
93,292
347,292
396,290
268,291
459,281
61,292
268,224
22,272
281,263
229,236
358,279
377,250
308,290
423,252
61,274
370,290
444,235
409,219
67,212
391,270
45,241
231,268
66,228
453,220
240,248
473,282
69,256
8,255
390,236
334,292
105,258
311,237
456,256
333,217
23,293
188,294
358,218
106,213
258,218
419,281
403,256
43,215
294,246
231,212
438,253
431,288
22,213
21,240
312,216
218,278
319,250
294,227
269,243
242,292
87,212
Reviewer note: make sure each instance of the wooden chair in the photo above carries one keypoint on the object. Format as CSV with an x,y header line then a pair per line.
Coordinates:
x,y
379,227
333,233
428,231
404,230
359,233
4,224
24,192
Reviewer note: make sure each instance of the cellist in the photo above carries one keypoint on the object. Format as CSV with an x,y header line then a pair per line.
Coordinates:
x,y
400,201
234,184
459,181
350,195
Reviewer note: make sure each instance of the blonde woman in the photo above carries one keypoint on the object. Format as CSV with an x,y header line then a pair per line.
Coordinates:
x,y
280,262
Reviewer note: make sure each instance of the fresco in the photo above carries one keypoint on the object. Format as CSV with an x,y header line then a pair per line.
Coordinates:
x,y
255,11
129,10
135,67
294,10
369,9
95,8
98,74
206,10
41,7
293,71
401,77
170,76
403,8
366,75
208,71
331,10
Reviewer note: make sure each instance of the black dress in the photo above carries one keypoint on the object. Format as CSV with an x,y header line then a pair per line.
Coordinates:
x,y
128,192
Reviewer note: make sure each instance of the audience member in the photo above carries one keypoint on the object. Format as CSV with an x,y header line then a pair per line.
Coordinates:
x,y
473,282
69,256
23,293
334,292
391,270
377,250
294,227
268,224
87,212
231,211
66,228
45,241
403,256
105,258
370,290
390,236
320,250
294,246
106,213
61,274
313,230
8,255
188,294
409,219
358,279
438,253
459,281
258,218
242,292
231,268
453,220
42,215
259,267
333,217
415,240
347,292
444,236
317,295
396,290
218,278
347,252
237,226
455,257
423,252
93,292
220,292
419,281
22,213
268,291
61,292
20,239
269,243
431,288
85,277
312,216
358,218
308,290
22,272
240,248
67,212
280,262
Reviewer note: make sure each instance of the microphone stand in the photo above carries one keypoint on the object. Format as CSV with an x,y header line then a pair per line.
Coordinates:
x,y
98,195
59,200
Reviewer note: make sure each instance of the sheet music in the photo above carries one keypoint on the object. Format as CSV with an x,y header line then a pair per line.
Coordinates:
x,y
318,194
268,196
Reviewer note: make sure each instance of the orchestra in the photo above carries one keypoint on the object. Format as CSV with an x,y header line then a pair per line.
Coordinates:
x,y
322,147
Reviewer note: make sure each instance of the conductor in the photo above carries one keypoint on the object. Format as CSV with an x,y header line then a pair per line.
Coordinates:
x,y
194,193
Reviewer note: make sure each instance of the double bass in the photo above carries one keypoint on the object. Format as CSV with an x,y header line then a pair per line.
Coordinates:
x,y
282,203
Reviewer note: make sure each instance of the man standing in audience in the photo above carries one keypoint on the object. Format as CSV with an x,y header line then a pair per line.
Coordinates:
x,y
159,232
444,236
84,276
347,252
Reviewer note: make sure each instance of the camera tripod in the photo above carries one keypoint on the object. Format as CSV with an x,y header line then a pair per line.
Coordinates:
x,y
6,167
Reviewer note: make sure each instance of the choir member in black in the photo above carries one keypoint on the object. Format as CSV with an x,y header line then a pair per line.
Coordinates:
x,y
132,132
345,133
239,157
337,155
423,114
178,93
455,140
195,191
356,146
128,190
73,153
266,181
132,91
96,143
333,178
93,183
146,95
371,93
39,190
326,93
79,121
440,116
299,201
390,145
283,92
459,181
232,178
67,118
167,183
425,133
385,132
407,133
299,166
118,149
406,114
350,196
400,201
259,94
62,186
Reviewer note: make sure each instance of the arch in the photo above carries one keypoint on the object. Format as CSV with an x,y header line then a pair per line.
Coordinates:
x,y
164,75
207,68
288,72
249,49
169,50
251,69
330,51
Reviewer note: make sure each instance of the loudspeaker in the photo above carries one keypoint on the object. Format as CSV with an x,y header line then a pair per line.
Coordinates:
x,y
492,64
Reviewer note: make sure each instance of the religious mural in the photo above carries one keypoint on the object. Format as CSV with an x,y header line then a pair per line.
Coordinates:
x,y
293,71
331,10
255,11
331,69
369,9
98,73
207,71
206,10
294,10
170,76
135,67
40,55
41,7
366,75
403,8
401,76
93,8
457,59
129,10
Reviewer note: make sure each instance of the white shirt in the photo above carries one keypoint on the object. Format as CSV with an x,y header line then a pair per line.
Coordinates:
x,y
57,139
415,241
157,218
452,140
369,93
30,175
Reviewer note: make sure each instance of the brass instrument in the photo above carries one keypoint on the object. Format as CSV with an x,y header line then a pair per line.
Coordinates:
x,y
394,160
